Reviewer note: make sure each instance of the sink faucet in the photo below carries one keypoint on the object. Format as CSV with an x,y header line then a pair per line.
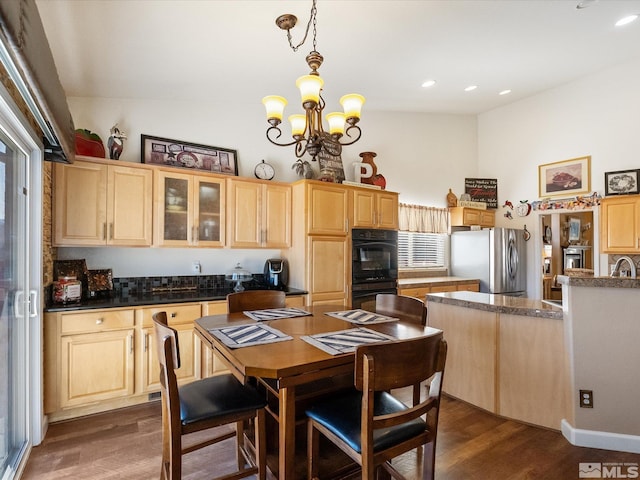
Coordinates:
x,y
616,268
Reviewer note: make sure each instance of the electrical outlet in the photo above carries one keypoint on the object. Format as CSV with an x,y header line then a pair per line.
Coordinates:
x,y
196,267
586,398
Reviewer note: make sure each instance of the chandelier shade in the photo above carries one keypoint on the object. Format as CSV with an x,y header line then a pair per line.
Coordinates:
x,y
307,130
275,107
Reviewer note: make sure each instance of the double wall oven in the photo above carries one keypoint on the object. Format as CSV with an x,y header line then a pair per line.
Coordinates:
x,y
375,265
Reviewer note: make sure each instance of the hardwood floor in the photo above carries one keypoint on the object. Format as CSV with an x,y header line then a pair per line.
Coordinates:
x,y
472,444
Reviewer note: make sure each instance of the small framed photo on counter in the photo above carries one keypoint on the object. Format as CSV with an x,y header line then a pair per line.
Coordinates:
x,y
622,182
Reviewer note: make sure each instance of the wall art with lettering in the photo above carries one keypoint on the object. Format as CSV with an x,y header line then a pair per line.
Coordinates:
x,y
482,190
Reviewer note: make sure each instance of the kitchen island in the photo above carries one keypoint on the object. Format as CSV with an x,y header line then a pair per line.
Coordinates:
x,y
506,354
602,334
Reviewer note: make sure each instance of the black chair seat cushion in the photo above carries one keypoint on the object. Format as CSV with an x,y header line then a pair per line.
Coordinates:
x,y
216,396
341,415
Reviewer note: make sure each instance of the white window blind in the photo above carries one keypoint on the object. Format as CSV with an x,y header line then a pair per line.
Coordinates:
x,y
420,250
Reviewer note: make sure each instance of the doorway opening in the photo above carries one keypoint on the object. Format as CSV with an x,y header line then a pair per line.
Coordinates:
x,y
568,248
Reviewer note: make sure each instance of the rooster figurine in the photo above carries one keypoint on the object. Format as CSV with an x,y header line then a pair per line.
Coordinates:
x,y
116,142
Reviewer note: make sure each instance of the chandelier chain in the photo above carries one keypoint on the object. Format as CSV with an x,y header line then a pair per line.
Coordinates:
x,y
312,20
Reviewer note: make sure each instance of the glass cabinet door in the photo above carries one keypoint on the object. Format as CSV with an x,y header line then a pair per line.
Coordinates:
x,y
174,209
189,210
209,204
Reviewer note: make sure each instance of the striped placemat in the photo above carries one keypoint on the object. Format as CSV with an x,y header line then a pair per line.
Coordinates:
x,y
345,341
276,313
362,317
248,335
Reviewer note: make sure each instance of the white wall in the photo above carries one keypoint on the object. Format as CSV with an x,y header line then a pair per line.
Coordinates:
x,y
598,115
420,155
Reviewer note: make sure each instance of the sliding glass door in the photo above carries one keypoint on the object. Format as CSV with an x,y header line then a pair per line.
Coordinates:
x,y
20,270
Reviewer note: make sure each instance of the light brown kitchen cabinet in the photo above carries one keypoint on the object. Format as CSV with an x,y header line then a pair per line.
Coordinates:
x,y
620,227
438,287
375,209
100,359
468,217
180,317
328,209
190,210
320,256
329,269
259,214
89,358
99,203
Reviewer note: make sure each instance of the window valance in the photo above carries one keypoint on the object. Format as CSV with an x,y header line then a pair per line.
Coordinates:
x,y
419,218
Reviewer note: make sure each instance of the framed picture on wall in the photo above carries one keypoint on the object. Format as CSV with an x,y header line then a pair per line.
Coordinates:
x,y
175,153
622,182
568,177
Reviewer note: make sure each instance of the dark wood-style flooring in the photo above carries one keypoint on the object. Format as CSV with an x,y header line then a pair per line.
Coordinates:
x,y
472,444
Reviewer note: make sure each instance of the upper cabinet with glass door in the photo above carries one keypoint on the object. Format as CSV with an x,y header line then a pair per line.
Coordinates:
x,y
189,210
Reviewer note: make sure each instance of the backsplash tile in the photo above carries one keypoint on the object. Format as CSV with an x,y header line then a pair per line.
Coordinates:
x,y
126,286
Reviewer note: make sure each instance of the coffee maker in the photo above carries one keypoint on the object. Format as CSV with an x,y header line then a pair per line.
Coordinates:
x,y
276,273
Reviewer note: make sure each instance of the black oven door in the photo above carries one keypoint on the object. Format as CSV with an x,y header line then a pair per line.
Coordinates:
x,y
375,256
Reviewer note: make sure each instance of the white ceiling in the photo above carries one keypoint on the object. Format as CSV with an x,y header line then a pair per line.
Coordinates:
x,y
231,50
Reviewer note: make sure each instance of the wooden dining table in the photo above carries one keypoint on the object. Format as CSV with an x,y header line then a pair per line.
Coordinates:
x,y
292,364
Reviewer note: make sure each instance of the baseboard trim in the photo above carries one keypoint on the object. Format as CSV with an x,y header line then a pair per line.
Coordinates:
x,y
605,440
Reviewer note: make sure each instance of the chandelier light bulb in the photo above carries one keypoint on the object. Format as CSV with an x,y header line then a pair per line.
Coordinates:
x,y
274,106
298,124
336,122
310,86
352,104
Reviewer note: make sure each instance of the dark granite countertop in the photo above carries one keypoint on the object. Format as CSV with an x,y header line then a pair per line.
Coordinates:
x,y
498,303
600,282
142,299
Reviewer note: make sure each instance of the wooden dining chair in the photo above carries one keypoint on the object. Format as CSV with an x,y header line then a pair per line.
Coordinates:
x,y
255,300
371,425
409,309
202,405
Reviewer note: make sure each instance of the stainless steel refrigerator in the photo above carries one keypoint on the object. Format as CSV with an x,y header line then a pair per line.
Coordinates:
x,y
495,256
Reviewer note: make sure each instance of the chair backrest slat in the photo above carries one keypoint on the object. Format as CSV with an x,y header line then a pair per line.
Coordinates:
x,y
409,309
400,363
255,300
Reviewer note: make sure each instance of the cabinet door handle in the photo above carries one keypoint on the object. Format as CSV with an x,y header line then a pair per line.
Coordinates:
x,y
146,342
111,231
130,337
173,314
104,231
99,321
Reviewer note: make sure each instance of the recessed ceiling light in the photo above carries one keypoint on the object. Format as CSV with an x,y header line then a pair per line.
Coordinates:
x,y
505,92
585,4
625,20
429,83
470,88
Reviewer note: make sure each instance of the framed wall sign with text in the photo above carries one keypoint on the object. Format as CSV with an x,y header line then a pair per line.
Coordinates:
x,y
482,190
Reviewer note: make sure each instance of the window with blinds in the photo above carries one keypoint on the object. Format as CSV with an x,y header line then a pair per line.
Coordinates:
x,y
421,250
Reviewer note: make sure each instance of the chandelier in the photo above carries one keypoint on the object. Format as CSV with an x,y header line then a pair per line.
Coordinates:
x,y
307,129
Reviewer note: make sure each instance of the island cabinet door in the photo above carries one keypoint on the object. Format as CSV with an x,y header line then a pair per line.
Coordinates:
x,y
471,356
